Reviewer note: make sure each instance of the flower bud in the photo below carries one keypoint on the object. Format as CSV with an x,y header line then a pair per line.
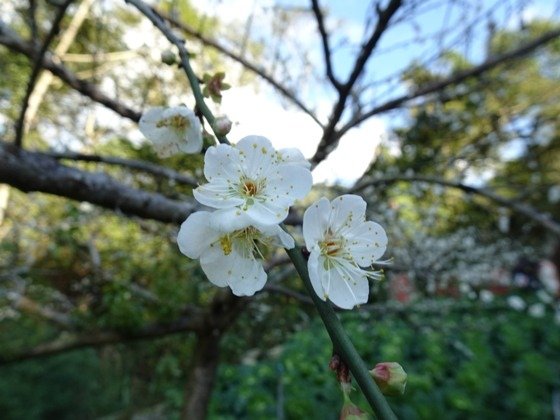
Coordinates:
x,y
168,57
222,126
390,377
350,411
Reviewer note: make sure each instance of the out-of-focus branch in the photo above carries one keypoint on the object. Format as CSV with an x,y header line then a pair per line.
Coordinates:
x,y
327,145
190,322
11,40
137,165
24,304
329,134
32,171
543,219
37,65
327,54
188,30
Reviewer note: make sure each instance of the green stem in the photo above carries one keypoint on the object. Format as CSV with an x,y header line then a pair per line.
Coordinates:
x,y
342,344
159,23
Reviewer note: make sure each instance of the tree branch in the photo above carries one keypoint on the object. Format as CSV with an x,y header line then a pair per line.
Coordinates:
x,y
325,148
37,66
137,165
11,40
329,134
191,322
188,30
327,55
542,219
33,171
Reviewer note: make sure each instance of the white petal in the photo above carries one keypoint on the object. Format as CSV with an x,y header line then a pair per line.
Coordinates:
x,y
258,154
313,264
228,220
267,213
222,161
346,211
217,194
289,181
196,234
366,242
276,231
249,278
348,286
217,266
315,222
293,156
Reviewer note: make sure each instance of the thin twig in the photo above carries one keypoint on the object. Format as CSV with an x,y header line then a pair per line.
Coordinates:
x,y
328,144
37,66
153,169
291,96
525,209
327,54
329,133
161,24
14,42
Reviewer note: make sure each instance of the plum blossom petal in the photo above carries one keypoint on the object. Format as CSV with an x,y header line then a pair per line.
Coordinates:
x,y
230,257
172,130
341,243
253,179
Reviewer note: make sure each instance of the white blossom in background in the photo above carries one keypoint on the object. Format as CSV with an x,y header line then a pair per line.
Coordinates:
x,y
253,182
515,302
172,130
230,257
537,310
486,296
341,244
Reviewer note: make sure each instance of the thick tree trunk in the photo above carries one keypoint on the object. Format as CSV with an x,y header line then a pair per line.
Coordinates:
x,y
202,374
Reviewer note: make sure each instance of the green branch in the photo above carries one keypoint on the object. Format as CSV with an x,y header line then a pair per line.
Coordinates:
x,y
342,344
161,24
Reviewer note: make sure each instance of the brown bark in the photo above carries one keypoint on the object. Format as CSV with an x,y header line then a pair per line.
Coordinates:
x,y
202,374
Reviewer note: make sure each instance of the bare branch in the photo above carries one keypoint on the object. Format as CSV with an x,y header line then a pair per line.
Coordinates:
x,y
325,147
191,322
33,171
329,134
542,219
24,304
137,165
327,55
37,65
15,43
245,63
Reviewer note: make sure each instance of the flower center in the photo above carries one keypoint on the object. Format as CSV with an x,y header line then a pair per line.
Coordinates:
x,y
250,188
177,122
225,243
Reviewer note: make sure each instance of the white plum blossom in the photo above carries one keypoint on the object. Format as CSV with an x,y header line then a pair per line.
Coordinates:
x,y
341,244
230,257
172,130
537,310
252,181
515,302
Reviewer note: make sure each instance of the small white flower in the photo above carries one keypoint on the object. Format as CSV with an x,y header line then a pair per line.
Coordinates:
x,y
486,296
515,302
253,181
230,257
537,310
340,242
172,130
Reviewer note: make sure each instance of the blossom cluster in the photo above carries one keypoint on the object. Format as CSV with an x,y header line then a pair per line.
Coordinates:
x,y
249,190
